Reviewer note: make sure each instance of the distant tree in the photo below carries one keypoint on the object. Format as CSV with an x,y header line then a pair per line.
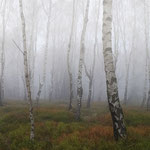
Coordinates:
x,y
2,54
90,74
128,61
33,43
146,94
81,62
111,80
52,83
147,67
24,88
68,57
26,69
41,84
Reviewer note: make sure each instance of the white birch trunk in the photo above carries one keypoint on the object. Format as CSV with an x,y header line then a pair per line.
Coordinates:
x,y
111,80
26,69
25,88
81,61
90,74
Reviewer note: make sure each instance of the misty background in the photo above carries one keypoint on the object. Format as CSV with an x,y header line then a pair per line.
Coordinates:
x,y
128,47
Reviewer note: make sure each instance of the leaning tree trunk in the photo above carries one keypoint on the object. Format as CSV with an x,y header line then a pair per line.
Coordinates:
x,y
81,61
68,57
111,80
26,69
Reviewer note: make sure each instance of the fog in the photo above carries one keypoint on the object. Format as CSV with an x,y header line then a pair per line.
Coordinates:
x,y
130,29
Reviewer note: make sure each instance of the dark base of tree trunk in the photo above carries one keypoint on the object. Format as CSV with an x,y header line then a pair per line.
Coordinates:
x,y
78,113
70,104
70,107
121,126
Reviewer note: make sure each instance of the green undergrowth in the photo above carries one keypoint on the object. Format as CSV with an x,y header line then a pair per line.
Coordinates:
x,y
57,129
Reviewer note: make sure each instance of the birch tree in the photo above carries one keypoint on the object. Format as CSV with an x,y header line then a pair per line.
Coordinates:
x,y
81,61
146,32
90,73
128,61
111,80
26,69
24,88
116,36
2,54
147,61
46,51
68,57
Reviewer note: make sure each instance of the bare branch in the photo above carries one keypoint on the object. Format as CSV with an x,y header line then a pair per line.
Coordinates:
x,y
18,47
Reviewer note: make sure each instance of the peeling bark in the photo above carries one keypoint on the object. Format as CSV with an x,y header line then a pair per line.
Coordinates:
x,y
111,80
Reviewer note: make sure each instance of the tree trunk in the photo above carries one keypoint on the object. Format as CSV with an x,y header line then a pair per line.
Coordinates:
x,y
145,85
90,94
52,84
39,93
90,74
126,84
146,22
45,54
68,57
81,61
25,89
26,70
2,56
94,59
111,80
129,61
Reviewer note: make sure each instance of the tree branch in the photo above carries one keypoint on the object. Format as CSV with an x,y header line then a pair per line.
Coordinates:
x,y
18,47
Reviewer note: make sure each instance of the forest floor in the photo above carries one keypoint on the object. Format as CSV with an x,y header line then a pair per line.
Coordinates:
x,y
57,129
